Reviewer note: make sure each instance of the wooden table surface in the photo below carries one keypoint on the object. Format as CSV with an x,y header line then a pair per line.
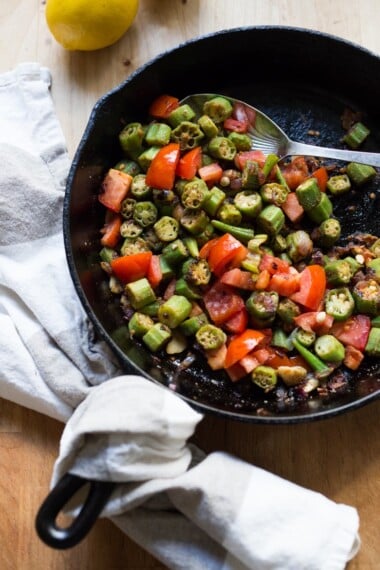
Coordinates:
x,y
338,457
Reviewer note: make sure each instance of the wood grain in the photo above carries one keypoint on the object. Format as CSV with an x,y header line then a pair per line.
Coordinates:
x,y
339,457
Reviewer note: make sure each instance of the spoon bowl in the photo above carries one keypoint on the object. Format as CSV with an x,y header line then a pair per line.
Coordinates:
x,y
268,137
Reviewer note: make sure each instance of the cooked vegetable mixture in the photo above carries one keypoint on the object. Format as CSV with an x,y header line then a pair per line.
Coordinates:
x,y
217,248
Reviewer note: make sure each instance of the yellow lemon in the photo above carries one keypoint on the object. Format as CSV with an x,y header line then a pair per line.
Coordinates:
x,y
89,25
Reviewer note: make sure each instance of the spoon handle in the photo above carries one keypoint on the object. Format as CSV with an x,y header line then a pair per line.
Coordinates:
x,y
370,158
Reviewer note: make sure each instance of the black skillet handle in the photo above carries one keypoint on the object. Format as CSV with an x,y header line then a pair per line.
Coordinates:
x,y
65,489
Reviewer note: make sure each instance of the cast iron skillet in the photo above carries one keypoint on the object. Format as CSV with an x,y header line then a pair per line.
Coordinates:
x,y
303,80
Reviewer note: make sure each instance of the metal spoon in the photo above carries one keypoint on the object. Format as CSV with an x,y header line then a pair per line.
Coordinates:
x,y
268,137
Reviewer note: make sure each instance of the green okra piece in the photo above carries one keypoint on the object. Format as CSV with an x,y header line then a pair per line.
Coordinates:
x,y
107,254
222,148
139,188
372,347
339,303
366,294
312,359
140,293
127,208
167,270
271,220
299,245
157,336
151,309
278,243
174,311
306,338
207,234
265,377
192,246
145,158
270,162
263,304
309,194
249,203
131,139
139,324
242,234
197,272
374,264
166,228
158,134
208,126
194,194
130,229
356,135
255,244
130,167
210,337
287,310
188,135
274,193
281,340
145,213
185,289
229,214
280,177
181,114
322,210
338,272
207,159
154,244
194,221
375,248
213,200
375,322
218,109
133,245
354,264
329,232
175,252
191,325
360,174
339,184
251,177
241,141
329,348
252,262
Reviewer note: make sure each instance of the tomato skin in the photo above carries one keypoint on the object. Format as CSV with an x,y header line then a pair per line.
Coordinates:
x,y
292,208
273,264
237,323
285,284
223,252
354,331
129,268
115,187
222,303
312,287
295,172
206,248
235,125
211,173
241,345
163,106
154,272
189,163
111,230
238,278
162,169
322,177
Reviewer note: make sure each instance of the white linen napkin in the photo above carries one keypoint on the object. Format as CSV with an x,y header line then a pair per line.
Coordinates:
x,y
171,499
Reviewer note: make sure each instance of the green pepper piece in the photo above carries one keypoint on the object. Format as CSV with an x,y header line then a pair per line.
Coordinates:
x,y
157,336
281,340
309,194
182,287
218,109
208,126
241,141
174,311
191,325
197,272
213,200
131,139
145,214
263,304
322,210
339,303
287,310
166,228
329,348
265,377
249,203
366,295
299,245
194,194
140,293
175,252
128,166
139,324
210,337
242,234
316,363
360,174
194,221
251,177
130,229
274,193
181,114
372,347
356,135
127,208
338,272
188,135
271,219
339,184
158,134
306,338
139,188
222,148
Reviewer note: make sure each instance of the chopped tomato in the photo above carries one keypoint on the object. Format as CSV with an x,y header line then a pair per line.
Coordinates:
x,y
315,321
111,230
312,287
295,172
222,303
115,187
154,273
277,358
236,372
262,354
242,157
238,278
352,357
354,331
131,267
262,280
163,106
236,126
206,248
285,284
162,169
273,264
292,208
249,362
211,173
241,345
238,322
195,309
189,163
216,358
322,177
223,253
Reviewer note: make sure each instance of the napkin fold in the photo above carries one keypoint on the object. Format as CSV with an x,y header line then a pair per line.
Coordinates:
x,y
189,510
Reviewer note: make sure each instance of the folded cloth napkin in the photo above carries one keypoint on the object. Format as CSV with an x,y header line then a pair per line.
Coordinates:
x,y
170,498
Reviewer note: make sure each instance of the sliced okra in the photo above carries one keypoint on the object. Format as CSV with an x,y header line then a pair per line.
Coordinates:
x,y
274,193
356,135
166,228
308,194
127,208
366,294
329,348
194,221
145,213
188,135
130,229
338,272
213,201
158,134
175,252
339,303
130,167
134,245
249,203
265,377
372,347
218,109
299,245
194,194
181,114
263,304
197,272
306,338
210,337
252,177
271,219
287,310
174,311
222,148
140,293
322,211
208,126
241,141
360,174
329,232
191,325
229,214
157,336
145,158
131,139
339,184
186,289
139,188
139,324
